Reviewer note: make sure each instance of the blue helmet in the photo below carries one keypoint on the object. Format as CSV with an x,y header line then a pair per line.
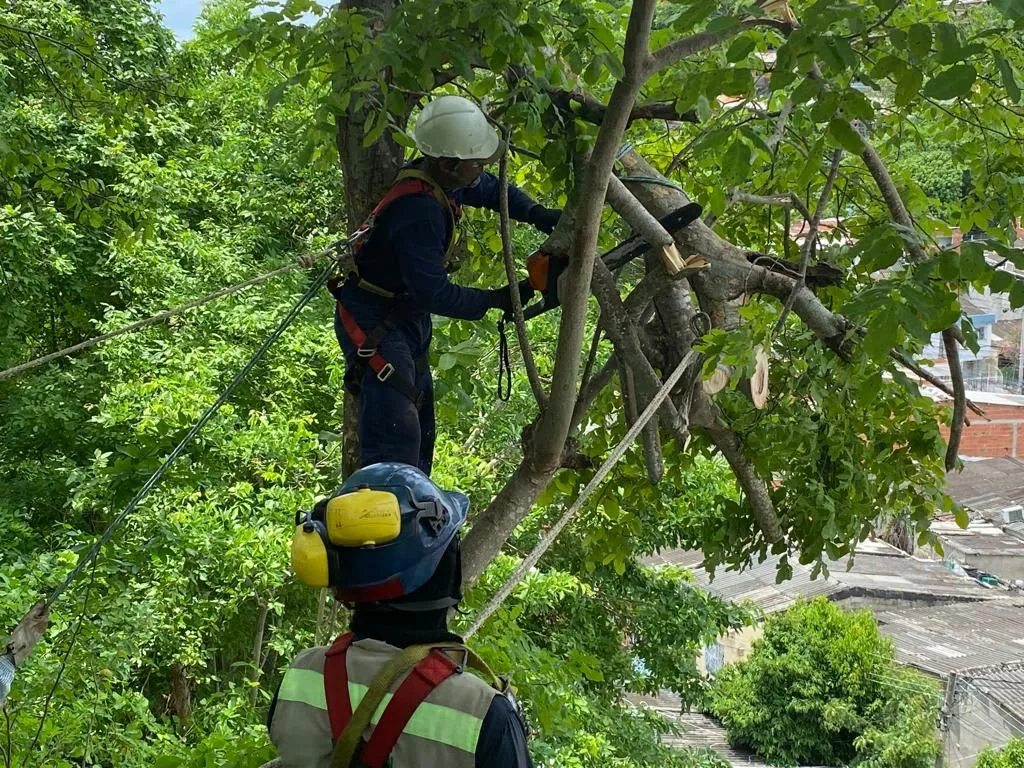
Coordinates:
x,y
380,536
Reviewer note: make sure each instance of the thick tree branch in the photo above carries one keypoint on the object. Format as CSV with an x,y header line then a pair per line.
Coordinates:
x,y
651,444
706,415
892,198
622,332
731,274
782,199
510,272
681,49
513,502
554,425
593,111
956,376
594,386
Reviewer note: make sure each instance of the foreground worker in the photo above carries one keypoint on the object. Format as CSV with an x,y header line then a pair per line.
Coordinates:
x,y
401,279
388,543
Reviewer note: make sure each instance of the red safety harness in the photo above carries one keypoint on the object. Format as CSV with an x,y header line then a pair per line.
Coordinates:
x,y
409,182
421,680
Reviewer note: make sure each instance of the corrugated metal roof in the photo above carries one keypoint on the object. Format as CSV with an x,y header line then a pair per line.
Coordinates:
x,y
1004,684
958,637
877,569
988,486
980,537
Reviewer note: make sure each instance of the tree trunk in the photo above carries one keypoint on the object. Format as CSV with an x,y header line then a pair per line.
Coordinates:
x,y
368,172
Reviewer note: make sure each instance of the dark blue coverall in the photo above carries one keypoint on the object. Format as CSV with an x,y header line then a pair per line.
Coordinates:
x,y
405,254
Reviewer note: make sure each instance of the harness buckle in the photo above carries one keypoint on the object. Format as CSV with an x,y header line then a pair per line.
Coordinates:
x,y
367,352
385,372
449,650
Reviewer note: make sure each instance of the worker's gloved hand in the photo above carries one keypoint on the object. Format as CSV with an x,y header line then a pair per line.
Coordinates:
x,y
545,219
502,299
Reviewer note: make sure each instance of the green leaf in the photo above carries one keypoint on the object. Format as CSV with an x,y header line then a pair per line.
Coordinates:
x,y
882,334
845,135
807,90
812,165
908,85
736,163
1011,9
949,265
1017,294
1009,81
972,262
1001,281
951,83
375,127
276,94
950,50
919,40
887,65
961,516
741,48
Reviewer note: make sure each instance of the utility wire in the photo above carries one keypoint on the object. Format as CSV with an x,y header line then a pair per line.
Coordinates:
x,y
549,538
165,315
180,448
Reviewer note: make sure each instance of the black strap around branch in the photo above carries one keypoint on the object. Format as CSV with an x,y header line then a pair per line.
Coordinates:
x,y
504,364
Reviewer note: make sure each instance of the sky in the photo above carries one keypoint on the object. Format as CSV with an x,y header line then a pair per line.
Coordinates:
x,y
179,15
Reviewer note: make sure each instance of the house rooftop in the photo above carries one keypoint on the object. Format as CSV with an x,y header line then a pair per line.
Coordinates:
x,y
878,570
987,487
981,398
958,638
980,538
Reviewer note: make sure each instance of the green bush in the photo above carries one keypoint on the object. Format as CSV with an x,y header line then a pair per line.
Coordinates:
x,y
822,687
1010,756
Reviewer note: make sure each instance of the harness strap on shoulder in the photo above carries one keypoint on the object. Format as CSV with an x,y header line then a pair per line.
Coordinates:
x,y
339,706
423,678
350,739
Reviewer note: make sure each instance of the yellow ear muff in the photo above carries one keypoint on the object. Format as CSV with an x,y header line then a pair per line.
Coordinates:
x,y
309,554
362,518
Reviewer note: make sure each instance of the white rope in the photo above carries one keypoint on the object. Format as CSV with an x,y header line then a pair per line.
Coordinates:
x,y
549,538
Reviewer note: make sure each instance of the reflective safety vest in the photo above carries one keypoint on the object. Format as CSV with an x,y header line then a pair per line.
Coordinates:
x,y
443,729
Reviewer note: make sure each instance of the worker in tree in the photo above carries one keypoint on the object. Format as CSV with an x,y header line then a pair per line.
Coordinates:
x,y
387,542
402,260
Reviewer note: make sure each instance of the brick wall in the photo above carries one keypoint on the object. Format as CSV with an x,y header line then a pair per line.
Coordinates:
x,y
1001,436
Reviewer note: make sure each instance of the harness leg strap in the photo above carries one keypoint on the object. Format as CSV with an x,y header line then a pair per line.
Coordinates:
x,y
366,350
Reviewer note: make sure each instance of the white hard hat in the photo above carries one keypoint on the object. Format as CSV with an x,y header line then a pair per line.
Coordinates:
x,y
451,126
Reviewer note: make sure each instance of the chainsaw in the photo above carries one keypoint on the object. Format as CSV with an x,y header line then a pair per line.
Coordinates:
x,y
545,269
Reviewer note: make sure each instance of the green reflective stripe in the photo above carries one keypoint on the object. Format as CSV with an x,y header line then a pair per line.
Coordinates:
x,y
305,686
430,721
